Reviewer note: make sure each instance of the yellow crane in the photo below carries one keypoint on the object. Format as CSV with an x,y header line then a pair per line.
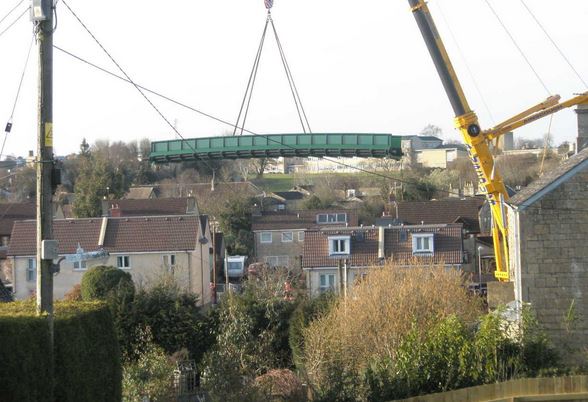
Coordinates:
x,y
477,140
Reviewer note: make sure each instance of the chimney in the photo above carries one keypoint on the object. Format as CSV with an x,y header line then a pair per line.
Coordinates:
x,y
115,211
582,141
103,231
381,232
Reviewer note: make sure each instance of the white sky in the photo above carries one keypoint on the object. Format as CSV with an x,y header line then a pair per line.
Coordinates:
x,y
360,66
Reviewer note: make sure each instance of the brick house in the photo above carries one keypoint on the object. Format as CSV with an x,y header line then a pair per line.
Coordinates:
x,y
548,237
327,250
451,210
279,236
146,247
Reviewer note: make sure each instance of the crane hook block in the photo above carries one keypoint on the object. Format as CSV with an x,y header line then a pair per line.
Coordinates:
x,y
268,3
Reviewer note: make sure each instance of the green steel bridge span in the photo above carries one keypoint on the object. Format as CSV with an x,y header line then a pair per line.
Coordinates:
x,y
276,145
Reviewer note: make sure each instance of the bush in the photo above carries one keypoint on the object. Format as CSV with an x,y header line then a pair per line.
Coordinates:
x,y
172,314
98,283
150,375
86,355
306,312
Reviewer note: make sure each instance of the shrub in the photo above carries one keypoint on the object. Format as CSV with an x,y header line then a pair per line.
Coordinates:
x,y
150,375
86,356
306,311
280,385
74,294
102,281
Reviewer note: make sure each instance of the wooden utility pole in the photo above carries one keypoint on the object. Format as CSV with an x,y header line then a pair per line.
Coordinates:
x,y
44,32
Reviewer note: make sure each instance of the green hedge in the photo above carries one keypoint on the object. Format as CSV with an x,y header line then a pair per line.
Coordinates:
x,y
86,355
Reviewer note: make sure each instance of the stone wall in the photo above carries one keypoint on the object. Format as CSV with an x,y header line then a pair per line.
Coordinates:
x,y
554,262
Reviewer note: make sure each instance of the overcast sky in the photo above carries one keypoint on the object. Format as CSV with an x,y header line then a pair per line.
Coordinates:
x,y
360,66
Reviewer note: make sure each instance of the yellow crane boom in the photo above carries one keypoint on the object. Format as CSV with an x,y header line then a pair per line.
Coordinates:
x,y
478,141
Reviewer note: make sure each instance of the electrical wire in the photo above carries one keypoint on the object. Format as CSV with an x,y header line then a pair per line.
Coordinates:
x,y
11,11
15,21
132,82
518,47
10,119
373,173
554,43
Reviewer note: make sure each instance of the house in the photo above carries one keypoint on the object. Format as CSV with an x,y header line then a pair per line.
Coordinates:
x,y
334,258
150,206
146,247
440,157
279,236
477,245
548,234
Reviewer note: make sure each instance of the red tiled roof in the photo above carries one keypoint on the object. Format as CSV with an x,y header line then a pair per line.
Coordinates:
x,y
146,234
16,211
305,219
439,212
364,245
151,206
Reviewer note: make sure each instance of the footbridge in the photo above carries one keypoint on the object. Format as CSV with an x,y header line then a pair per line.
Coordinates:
x,y
276,145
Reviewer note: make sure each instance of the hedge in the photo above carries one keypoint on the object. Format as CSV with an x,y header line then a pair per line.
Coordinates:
x,y
86,357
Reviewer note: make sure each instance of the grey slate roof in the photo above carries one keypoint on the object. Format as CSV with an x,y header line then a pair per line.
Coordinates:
x,y
550,180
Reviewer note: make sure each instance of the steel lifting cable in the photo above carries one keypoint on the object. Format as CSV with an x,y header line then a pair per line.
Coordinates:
x,y
554,44
10,119
252,78
246,103
293,88
518,47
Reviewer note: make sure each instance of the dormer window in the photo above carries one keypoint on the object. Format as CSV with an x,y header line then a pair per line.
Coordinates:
x,y
331,218
422,243
339,245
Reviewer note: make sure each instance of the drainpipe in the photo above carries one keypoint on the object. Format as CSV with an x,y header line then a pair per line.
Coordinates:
x,y
381,234
189,256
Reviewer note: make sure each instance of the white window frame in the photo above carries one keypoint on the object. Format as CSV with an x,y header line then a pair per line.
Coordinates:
x,y
285,240
331,218
301,235
81,265
121,258
327,287
418,243
169,260
265,241
31,270
277,260
335,245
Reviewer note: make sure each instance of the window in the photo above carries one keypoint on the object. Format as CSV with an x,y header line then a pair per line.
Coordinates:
x,y
300,236
403,236
31,270
123,261
80,265
169,260
287,237
5,241
422,243
327,282
339,245
331,218
281,207
266,237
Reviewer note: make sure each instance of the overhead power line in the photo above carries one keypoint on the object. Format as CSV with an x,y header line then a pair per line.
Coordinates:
x,y
514,41
128,78
11,11
338,162
14,22
554,44
10,119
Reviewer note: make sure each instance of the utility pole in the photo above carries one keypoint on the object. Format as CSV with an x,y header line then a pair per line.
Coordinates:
x,y
42,15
